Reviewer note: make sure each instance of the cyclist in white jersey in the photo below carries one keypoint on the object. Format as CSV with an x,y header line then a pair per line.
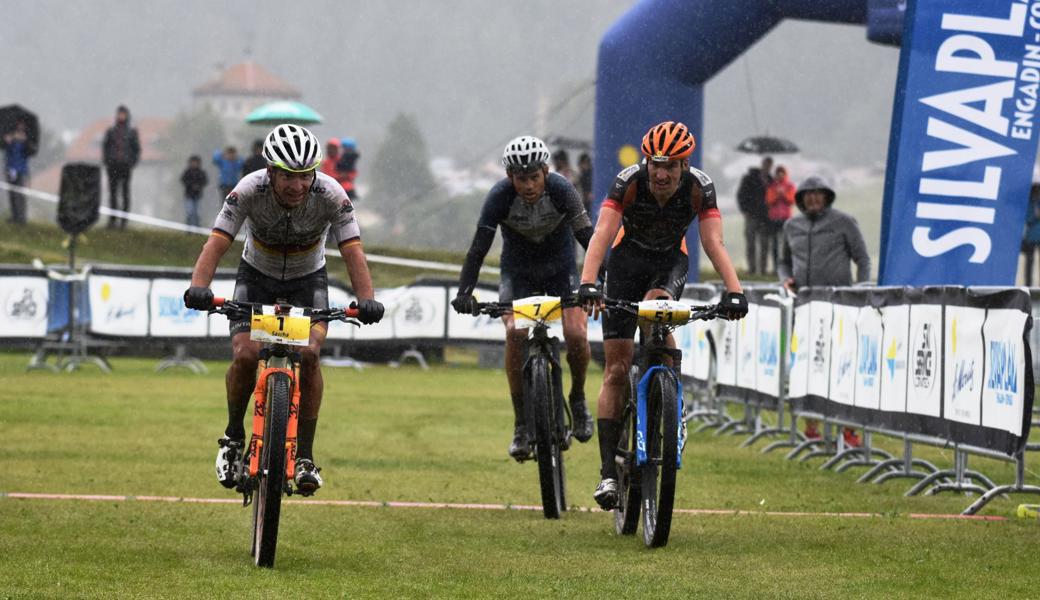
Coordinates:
x,y
291,210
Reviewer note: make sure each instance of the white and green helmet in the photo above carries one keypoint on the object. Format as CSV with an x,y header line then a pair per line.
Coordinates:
x,y
292,148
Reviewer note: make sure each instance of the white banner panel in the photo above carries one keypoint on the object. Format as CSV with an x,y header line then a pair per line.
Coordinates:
x,y
338,330
170,318
684,340
419,313
1003,390
218,324
23,302
726,340
698,365
798,354
820,317
963,365
923,393
747,358
844,342
868,358
467,327
768,351
118,305
894,347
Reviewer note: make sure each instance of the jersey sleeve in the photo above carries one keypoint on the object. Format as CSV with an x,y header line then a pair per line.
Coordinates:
x,y
705,202
233,214
623,191
567,200
343,224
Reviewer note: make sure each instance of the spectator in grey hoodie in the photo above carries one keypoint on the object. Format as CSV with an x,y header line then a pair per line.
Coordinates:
x,y
821,243
819,246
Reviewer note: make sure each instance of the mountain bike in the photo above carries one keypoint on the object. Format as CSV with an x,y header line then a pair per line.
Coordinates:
x,y
653,431
545,411
268,465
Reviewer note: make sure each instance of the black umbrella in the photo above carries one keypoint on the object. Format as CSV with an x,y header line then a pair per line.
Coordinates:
x,y
13,114
766,144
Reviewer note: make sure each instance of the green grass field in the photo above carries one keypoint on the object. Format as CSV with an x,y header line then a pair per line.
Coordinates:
x,y
440,436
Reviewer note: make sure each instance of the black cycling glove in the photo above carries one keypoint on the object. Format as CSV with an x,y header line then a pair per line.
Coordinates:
x,y
465,304
369,311
589,293
199,298
733,305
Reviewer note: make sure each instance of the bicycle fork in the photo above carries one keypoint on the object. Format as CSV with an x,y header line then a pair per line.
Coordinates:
x,y
260,395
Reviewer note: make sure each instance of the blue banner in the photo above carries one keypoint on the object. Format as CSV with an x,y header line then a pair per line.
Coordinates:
x,y
963,143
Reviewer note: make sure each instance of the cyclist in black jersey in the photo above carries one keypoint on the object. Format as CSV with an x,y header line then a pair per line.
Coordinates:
x,y
646,214
540,214
291,210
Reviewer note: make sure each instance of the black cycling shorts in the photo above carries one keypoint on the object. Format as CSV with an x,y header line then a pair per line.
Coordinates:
x,y
521,285
631,273
311,291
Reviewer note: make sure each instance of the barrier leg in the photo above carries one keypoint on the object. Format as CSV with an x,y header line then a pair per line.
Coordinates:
x,y
180,358
793,439
1019,487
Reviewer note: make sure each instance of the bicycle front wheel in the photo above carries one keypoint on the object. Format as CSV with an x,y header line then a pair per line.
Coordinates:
x,y
547,446
662,451
271,479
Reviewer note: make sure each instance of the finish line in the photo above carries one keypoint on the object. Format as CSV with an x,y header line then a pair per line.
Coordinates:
x,y
476,506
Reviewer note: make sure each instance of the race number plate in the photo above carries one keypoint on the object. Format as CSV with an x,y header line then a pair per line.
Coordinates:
x,y
664,311
293,329
529,311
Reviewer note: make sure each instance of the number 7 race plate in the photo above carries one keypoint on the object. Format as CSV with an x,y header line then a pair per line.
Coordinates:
x,y
293,329
529,311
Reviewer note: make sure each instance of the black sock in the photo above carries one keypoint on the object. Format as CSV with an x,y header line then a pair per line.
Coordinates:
x,y
305,430
235,431
518,410
609,436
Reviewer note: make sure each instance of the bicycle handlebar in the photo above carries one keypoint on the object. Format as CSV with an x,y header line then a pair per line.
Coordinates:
x,y
704,312
227,306
497,309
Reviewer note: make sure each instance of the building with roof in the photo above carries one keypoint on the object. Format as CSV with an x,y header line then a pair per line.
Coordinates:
x,y
240,89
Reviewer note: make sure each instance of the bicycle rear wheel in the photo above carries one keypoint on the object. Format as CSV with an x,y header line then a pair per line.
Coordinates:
x,y
547,446
626,515
267,498
662,450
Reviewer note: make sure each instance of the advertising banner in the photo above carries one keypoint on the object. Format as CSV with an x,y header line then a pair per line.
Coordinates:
x,y
118,305
844,342
962,144
726,351
747,358
468,327
768,351
418,312
798,353
218,324
338,330
963,364
924,392
819,377
895,346
170,318
23,302
698,365
1004,379
868,358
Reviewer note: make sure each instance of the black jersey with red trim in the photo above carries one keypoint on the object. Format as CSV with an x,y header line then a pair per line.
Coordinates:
x,y
653,226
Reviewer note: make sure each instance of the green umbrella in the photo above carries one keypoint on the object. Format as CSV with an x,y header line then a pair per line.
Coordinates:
x,y
275,113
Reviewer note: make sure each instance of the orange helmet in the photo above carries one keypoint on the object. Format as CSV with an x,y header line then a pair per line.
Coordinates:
x,y
668,141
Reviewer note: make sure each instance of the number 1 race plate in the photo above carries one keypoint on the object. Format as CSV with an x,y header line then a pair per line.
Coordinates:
x,y
293,328
529,311
664,311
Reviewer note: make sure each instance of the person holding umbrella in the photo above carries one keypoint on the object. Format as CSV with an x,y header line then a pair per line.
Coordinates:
x,y
17,150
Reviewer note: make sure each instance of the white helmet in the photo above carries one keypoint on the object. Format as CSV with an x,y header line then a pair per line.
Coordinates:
x,y
524,154
292,148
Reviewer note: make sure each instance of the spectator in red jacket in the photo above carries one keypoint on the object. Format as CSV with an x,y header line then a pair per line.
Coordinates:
x,y
779,200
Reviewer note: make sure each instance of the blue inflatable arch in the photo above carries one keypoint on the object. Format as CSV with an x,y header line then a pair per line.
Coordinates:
x,y
653,63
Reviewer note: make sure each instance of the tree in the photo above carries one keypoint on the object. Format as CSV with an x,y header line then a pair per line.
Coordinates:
x,y
200,132
401,178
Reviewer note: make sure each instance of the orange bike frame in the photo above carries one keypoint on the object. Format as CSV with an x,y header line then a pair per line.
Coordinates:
x,y
256,443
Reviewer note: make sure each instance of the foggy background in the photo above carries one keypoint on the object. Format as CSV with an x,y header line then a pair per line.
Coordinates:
x,y
469,75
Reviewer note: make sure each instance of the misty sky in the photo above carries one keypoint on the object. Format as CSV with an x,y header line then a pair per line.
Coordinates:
x,y
473,72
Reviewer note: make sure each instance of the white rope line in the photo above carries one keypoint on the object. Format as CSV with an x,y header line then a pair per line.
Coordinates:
x,y
175,226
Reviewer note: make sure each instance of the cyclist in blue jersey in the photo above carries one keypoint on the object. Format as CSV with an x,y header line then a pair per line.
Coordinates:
x,y
540,213
646,215
291,210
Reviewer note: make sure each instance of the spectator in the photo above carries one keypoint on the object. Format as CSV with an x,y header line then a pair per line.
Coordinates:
x,y
835,241
585,180
17,150
120,151
230,167
346,168
256,161
562,164
779,200
751,198
194,180
1031,238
